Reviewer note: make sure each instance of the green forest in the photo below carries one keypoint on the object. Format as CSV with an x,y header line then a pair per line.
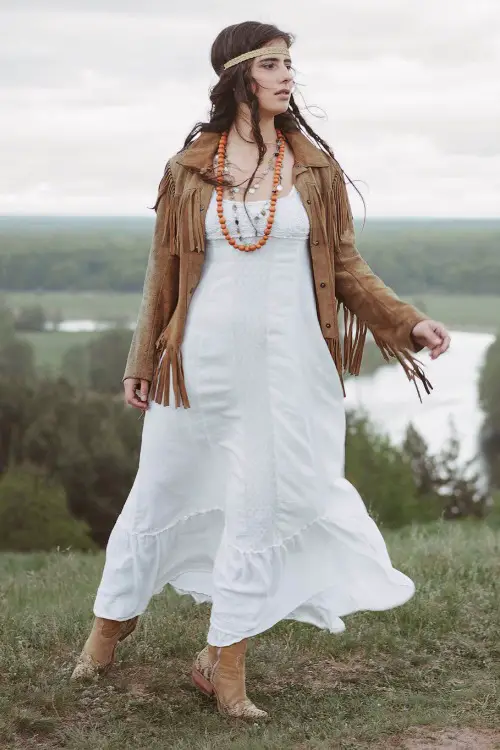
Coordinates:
x,y
109,254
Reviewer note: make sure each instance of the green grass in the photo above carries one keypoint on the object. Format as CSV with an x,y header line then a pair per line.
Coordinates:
x,y
467,312
79,305
50,347
433,662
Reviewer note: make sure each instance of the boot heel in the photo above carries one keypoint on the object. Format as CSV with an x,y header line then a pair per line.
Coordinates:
x,y
201,683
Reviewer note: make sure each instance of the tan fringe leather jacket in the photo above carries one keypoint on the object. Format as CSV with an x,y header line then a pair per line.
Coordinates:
x,y
341,277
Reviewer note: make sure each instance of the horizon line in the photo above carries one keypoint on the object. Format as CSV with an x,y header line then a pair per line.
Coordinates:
x,y
145,216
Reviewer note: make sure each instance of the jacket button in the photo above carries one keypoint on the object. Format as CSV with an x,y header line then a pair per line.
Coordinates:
x,y
316,242
202,208
328,325
308,200
191,290
322,283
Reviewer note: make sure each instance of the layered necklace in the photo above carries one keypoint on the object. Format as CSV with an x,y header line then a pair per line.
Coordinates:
x,y
222,169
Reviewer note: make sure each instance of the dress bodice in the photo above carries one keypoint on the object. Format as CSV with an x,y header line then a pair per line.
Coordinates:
x,y
290,221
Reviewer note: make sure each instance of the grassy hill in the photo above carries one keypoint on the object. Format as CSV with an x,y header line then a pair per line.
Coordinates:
x,y
432,663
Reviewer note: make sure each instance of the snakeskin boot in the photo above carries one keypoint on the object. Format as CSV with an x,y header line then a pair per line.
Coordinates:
x,y
99,650
220,672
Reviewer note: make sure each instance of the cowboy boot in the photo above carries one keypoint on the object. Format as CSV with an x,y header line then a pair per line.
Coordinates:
x,y
99,650
220,671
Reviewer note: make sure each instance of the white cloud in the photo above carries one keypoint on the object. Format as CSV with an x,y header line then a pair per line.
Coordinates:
x,y
95,95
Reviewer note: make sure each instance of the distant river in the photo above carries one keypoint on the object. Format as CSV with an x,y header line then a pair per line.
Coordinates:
x,y
391,401
81,326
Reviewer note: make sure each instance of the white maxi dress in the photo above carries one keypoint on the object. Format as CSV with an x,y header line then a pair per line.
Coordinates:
x,y
241,500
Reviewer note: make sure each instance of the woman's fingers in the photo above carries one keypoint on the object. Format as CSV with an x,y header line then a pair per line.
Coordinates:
x,y
144,390
137,400
444,344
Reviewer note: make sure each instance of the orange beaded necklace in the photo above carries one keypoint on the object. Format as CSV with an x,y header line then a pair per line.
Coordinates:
x,y
221,152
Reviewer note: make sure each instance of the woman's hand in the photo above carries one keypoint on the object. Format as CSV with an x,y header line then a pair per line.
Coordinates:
x,y
432,334
131,386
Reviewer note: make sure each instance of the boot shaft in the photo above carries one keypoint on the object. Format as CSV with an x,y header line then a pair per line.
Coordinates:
x,y
228,672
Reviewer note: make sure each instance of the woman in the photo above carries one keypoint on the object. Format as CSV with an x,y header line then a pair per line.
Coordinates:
x,y
240,498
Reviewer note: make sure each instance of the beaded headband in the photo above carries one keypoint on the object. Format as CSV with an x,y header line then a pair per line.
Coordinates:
x,y
257,53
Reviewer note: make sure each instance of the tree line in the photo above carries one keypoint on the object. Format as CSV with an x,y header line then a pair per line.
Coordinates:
x,y
90,254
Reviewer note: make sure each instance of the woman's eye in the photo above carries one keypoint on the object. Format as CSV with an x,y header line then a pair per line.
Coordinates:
x,y
271,65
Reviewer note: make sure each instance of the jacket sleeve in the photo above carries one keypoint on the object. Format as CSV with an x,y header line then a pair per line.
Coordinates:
x,y
161,285
361,291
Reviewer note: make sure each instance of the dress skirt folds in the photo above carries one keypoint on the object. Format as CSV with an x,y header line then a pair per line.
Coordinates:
x,y
241,499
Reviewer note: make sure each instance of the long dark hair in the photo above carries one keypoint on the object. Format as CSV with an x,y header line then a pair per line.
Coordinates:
x,y
235,86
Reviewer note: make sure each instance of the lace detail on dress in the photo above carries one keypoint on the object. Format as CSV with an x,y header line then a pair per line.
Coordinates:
x,y
290,221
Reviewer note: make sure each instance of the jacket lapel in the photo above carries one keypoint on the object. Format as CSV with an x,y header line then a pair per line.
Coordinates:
x,y
199,154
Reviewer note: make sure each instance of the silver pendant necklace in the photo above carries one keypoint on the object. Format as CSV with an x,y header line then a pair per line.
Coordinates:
x,y
253,187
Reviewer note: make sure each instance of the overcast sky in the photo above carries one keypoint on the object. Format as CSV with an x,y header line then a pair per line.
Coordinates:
x,y
95,95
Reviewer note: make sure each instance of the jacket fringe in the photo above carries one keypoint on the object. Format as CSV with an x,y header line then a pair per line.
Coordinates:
x,y
336,354
348,356
189,233
355,333
339,219
169,364
167,190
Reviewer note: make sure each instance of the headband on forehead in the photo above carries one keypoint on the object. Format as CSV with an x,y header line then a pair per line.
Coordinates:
x,y
257,53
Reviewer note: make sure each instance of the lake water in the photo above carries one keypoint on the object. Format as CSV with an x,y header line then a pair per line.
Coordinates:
x,y
391,401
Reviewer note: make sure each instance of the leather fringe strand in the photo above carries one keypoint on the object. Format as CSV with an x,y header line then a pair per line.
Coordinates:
x,y
197,244
166,191
338,209
169,365
336,354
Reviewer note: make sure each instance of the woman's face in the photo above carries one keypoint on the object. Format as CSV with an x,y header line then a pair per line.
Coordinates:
x,y
273,75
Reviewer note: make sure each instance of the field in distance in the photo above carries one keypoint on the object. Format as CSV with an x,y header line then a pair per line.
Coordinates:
x,y
465,312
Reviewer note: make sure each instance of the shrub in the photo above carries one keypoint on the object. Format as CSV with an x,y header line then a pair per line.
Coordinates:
x,y
34,514
383,476
31,318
